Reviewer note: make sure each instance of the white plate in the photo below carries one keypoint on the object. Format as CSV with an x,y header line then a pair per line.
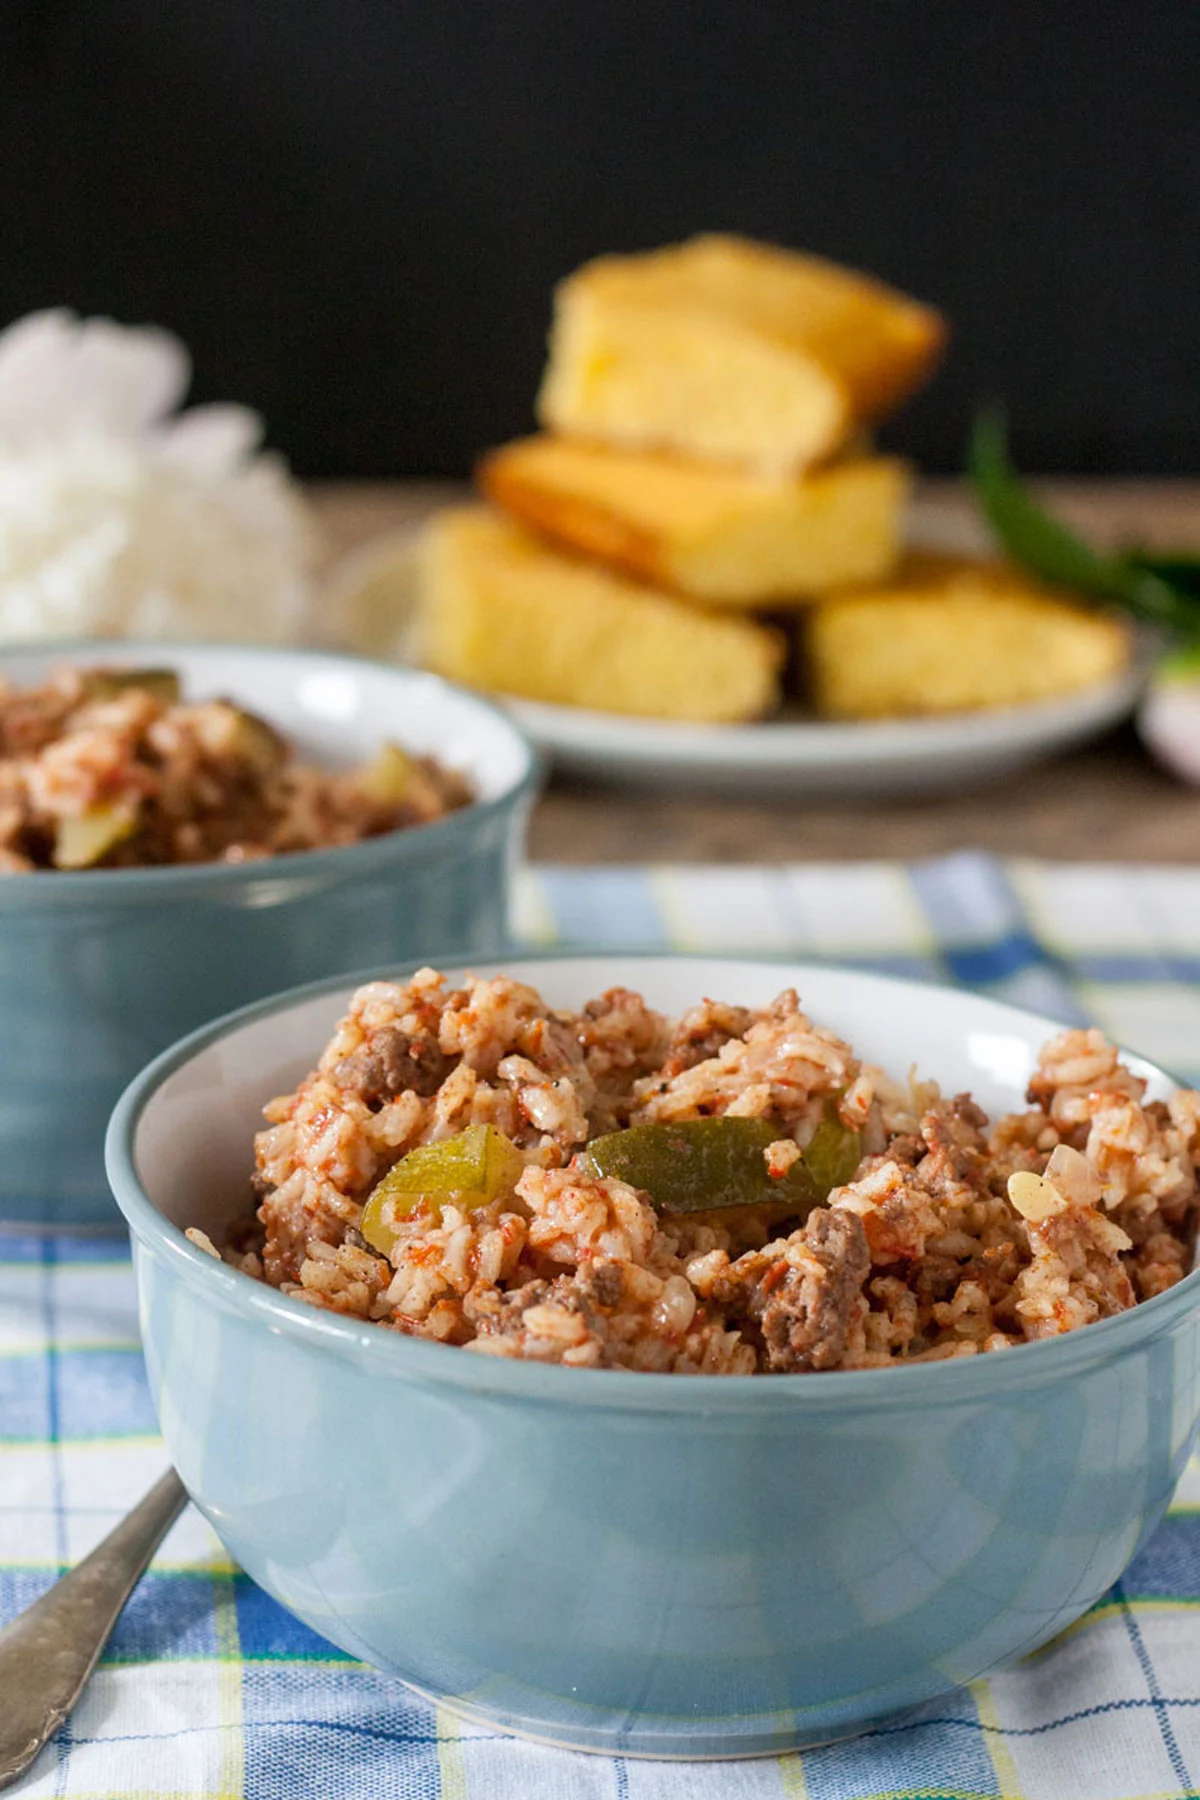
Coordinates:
x,y
815,758
801,756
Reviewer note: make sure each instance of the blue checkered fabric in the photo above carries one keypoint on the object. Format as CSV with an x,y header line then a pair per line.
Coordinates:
x,y
208,1689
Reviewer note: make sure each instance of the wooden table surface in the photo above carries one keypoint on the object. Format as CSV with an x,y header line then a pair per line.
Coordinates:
x,y
1107,801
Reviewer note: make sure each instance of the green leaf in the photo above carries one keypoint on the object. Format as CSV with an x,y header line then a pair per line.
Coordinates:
x,y
1027,532
1183,663
1180,570
1162,590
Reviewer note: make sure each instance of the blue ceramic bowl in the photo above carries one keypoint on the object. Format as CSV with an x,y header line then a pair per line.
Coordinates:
x,y
101,969
657,1565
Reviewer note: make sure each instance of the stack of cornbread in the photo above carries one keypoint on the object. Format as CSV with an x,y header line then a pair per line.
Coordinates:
x,y
703,488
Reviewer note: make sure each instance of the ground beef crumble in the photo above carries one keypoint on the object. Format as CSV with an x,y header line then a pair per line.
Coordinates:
x,y
106,768
953,1235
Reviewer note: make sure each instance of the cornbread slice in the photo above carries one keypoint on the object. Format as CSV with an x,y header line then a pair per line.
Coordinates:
x,y
499,609
951,634
725,349
716,533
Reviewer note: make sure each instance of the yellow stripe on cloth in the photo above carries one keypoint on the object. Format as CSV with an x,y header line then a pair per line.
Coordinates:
x,y
451,1763
229,1687
792,1778
533,918
1007,1780
1105,1611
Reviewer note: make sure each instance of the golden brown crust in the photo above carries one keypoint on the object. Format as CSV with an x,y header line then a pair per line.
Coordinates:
x,y
732,351
880,390
576,522
720,536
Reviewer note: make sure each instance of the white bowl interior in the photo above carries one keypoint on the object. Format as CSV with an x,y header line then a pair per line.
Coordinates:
x,y
336,711
193,1145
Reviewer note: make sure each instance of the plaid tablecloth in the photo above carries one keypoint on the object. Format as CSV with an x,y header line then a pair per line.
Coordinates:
x,y
209,1689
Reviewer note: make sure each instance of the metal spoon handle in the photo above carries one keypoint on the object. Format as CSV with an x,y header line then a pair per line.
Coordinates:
x,y
48,1652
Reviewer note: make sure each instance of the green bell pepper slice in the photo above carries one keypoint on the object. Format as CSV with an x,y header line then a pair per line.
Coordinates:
x,y
707,1165
468,1170
81,842
388,777
108,684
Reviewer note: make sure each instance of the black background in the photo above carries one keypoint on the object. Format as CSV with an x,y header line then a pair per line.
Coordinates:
x,y
354,212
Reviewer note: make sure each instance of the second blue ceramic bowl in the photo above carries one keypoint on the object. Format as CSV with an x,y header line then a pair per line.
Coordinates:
x,y
685,1566
100,970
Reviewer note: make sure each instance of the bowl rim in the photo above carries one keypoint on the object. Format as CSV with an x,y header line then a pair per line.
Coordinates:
x,y
341,859
394,1355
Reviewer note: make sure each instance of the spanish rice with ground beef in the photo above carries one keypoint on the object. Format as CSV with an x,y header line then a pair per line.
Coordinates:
x,y
105,768
954,1236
